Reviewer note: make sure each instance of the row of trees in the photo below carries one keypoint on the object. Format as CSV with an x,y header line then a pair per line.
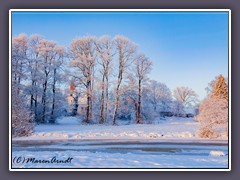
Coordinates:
x,y
111,74
36,66
90,55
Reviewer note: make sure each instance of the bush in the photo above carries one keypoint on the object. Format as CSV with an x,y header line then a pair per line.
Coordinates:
x,y
207,132
213,117
22,120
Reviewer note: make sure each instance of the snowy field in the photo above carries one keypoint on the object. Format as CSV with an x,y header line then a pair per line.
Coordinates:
x,y
70,128
171,143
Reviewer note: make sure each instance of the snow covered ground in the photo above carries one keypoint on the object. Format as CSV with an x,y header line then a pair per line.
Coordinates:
x,y
86,159
171,143
70,128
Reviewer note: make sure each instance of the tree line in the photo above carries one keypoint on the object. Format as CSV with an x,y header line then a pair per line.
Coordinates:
x,y
110,74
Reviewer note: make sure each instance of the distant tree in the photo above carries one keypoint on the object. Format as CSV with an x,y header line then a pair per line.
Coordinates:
x,y
159,95
185,95
177,108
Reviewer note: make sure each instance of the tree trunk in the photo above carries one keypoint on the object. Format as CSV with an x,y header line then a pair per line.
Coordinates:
x,y
44,101
32,98
120,73
139,103
88,102
102,101
117,97
52,120
116,108
35,109
44,95
106,101
136,109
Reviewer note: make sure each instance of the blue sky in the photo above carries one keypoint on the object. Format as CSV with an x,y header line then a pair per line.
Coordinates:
x,y
187,48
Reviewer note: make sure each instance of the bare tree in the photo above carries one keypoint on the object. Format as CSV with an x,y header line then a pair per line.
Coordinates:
x,y
185,95
34,69
126,51
83,53
142,66
105,51
47,54
56,63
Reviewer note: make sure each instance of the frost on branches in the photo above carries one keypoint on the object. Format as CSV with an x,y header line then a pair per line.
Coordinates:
x,y
36,76
213,112
22,124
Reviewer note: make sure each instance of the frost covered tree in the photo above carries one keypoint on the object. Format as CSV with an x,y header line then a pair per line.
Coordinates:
x,y
47,53
22,119
105,51
35,72
57,62
213,111
213,115
185,95
22,124
177,108
126,50
159,96
142,67
19,58
83,54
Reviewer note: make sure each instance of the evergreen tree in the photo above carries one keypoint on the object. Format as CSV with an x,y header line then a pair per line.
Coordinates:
x,y
220,89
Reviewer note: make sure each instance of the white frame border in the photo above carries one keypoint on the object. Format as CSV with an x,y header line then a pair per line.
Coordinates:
x,y
122,10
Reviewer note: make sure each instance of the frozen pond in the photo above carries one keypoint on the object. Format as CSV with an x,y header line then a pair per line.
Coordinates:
x,y
123,153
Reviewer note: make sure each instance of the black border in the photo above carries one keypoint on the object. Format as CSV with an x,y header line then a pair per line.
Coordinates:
x,y
92,11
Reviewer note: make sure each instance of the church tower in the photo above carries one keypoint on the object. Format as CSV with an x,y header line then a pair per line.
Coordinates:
x,y
72,99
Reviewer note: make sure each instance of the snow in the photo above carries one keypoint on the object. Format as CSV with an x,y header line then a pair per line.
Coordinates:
x,y
87,159
216,153
71,128
170,143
